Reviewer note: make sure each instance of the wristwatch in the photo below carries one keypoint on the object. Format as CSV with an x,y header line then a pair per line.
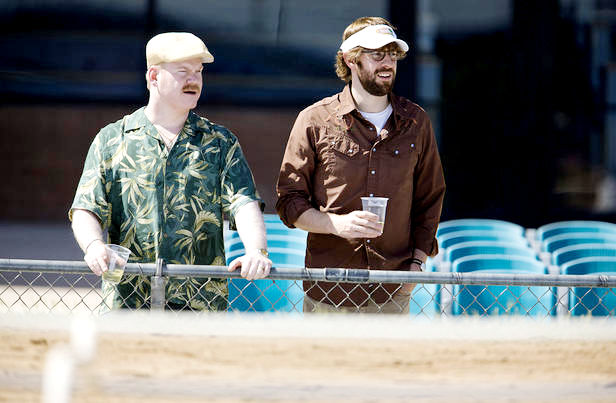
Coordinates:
x,y
263,251
421,264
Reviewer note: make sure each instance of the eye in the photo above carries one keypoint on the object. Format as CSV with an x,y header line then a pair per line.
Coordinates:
x,y
378,55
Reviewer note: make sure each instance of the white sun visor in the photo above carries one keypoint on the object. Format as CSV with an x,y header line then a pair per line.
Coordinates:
x,y
373,37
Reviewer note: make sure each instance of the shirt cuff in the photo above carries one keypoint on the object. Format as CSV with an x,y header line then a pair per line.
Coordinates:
x,y
291,209
425,243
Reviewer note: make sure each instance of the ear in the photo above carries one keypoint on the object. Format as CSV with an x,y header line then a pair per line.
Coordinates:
x,y
152,75
348,60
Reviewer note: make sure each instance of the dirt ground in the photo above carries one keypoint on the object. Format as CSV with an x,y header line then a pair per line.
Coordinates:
x,y
244,364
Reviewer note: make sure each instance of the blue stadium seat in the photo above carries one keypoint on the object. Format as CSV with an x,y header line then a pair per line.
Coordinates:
x,y
556,242
487,248
273,241
564,227
573,252
501,300
454,238
592,301
519,247
287,248
271,218
481,224
425,297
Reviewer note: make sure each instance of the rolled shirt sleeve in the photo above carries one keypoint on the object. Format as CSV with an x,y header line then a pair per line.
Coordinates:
x,y
428,195
91,191
238,185
294,187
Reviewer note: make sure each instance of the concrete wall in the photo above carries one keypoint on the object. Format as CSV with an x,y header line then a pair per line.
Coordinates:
x,y
42,150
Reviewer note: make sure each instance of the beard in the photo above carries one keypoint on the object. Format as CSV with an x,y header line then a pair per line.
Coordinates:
x,y
368,81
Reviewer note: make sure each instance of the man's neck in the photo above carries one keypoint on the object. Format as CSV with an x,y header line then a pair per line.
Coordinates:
x,y
171,120
367,102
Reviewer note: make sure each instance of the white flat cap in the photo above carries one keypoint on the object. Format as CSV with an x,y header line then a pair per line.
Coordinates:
x,y
176,47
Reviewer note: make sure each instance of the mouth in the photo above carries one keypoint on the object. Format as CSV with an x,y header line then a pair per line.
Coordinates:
x,y
385,75
191,91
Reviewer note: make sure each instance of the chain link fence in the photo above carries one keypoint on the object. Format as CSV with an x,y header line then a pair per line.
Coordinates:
x,y
69,286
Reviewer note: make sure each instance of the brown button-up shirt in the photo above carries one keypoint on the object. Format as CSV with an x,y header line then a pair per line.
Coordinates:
x,y
334,157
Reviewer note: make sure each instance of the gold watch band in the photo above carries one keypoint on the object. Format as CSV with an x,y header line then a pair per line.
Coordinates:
x,y
263,251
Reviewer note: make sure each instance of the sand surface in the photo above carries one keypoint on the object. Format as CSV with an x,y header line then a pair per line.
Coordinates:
x,y
332,359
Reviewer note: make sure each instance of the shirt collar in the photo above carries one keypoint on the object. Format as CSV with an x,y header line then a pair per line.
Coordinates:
x,y
139,121
347,105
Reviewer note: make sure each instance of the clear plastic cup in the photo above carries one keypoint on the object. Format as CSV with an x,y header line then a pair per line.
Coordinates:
x,y
376,205
118,257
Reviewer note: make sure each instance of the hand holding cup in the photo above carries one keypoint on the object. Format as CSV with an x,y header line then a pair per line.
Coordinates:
x,y
375,205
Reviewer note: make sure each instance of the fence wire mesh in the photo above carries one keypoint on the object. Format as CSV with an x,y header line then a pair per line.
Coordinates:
x,y
58,286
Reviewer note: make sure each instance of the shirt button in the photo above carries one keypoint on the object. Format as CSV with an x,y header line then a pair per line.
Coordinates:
x,y
396,152
367,241
373,172
374,149
371,128
412,145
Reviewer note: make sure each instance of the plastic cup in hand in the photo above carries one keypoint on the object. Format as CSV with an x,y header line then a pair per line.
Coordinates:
x,y
376,205
118,256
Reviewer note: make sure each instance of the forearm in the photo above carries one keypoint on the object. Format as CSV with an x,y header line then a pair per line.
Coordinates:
x,y
86,229
315,221
250,226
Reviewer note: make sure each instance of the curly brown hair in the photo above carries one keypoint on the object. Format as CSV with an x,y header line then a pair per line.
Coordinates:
x,y
342,70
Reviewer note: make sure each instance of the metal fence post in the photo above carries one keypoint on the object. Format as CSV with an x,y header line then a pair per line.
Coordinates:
x,y
158,287
446,291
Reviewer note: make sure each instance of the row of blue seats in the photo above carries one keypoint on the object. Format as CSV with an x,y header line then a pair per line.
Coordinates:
x,y
571,247
465,237
466,245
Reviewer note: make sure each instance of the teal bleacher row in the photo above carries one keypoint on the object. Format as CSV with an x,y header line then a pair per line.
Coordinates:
x,y
568,247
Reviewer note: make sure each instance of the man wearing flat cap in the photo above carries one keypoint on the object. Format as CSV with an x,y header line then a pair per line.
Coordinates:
x,y
159,181
363,142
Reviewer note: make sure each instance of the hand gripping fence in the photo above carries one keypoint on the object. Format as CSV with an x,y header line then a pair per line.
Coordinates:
x,y
451,282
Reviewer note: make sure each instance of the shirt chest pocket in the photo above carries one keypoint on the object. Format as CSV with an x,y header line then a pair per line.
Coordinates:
x,y
344,154
399,162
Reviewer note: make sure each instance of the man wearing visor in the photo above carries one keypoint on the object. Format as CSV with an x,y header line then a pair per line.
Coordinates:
x,y
160,179
363,141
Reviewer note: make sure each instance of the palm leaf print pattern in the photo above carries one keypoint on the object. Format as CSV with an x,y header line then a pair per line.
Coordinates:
x,y
167,205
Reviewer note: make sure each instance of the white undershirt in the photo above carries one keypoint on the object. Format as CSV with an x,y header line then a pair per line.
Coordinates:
x,y
378,119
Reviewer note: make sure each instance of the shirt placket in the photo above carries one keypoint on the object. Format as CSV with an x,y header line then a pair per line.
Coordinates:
x,y
166,171
374,176
372,189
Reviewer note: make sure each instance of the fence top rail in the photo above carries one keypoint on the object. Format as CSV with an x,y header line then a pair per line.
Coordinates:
x,y
343,275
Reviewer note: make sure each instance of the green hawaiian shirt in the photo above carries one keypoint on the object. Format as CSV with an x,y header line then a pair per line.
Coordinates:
x,y
166,204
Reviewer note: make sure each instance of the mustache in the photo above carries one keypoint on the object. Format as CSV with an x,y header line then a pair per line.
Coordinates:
x,y
191,87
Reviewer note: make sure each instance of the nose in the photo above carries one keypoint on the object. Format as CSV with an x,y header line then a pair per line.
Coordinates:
x,y
193,77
